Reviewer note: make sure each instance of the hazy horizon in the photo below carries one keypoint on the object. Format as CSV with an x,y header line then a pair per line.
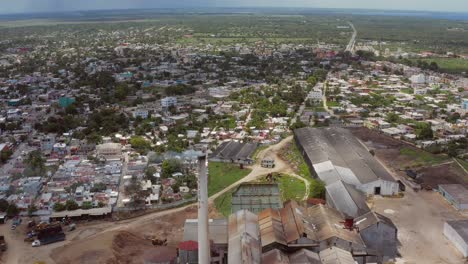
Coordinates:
x,y
40,6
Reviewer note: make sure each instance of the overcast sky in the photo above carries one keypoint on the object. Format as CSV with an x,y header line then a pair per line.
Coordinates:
x,y
27,6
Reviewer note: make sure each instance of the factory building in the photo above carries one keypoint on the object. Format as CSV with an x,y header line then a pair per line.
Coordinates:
x,y
334,154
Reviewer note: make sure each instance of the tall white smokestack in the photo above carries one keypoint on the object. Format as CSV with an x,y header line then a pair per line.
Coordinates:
x,y
203,236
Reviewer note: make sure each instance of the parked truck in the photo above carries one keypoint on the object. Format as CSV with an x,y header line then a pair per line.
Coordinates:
x,y
48,233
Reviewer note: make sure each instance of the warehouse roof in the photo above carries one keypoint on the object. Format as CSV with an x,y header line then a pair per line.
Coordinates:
x,y
302,256
336,155
80,212
461,227
372,218
218,230
256,197
292,223
457,191
244,238
347,199
327,223
232,150
336,255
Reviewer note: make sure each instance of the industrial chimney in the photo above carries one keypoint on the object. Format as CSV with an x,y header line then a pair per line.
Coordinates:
x,y
203,236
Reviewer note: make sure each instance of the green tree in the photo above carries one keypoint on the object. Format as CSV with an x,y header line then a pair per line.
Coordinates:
x,y
170,166
3,205
36,162
392,118
12,210
140,144
71,205
424,131
31,209
87,205
317,189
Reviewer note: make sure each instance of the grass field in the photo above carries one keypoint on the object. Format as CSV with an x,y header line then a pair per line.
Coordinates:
x,y
422,158
453,65
222,175
291,188
223,203
464,163
333,104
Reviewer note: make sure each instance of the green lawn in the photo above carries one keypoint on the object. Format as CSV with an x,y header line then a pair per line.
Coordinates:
x,y
464,163
333,104
291,188
223,203
221,175
452,65
422,157
294,156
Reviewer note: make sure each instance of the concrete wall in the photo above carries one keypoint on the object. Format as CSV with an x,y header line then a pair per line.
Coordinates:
x,y
386,187
382,238
456,239
452,200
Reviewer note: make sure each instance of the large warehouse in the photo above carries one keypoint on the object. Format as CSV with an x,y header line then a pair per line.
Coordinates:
x,y
334,154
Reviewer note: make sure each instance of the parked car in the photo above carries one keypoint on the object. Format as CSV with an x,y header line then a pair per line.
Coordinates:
x,y
36,243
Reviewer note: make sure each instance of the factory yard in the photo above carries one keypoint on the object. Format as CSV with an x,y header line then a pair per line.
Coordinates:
x,y
420,217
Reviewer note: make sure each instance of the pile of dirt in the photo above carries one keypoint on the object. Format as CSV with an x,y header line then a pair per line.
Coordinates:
x,y
129,248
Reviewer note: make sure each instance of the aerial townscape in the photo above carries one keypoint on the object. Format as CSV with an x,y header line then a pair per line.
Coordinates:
x,y
133,133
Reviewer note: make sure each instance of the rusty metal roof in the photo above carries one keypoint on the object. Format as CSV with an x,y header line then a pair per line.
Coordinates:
x,y
271,227
244,238
327,223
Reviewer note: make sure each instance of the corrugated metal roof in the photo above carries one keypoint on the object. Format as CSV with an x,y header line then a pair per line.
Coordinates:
x,y
256,197
327,223
327,148
275,256
371,218
244,238
347,199
271,227
234,150
218,230
304,256
457,191
336,255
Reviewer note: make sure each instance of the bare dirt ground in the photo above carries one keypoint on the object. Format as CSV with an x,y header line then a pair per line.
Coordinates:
x,y
420,218
388,150
101,242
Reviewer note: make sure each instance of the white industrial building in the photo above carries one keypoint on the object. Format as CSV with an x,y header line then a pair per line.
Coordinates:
x,y
334,154
457,233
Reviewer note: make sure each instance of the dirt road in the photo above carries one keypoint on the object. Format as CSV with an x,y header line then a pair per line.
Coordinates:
x,y
21,252
258,171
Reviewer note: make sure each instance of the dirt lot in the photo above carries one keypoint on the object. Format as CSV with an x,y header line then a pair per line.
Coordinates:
x,y
126,243
434,169
419,218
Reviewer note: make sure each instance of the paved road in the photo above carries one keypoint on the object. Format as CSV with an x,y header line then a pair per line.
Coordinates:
x,y
352,41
